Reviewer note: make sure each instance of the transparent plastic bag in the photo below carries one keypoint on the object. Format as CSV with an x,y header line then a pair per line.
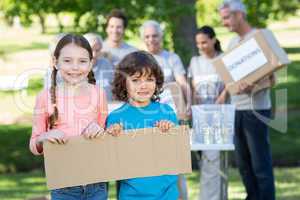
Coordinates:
x,y
213,124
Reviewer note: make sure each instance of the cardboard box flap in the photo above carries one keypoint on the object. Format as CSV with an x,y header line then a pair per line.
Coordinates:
x,y
141,153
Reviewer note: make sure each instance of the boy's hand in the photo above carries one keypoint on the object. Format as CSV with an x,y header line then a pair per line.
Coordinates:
x,y
93,130
115,129
54,136
164,125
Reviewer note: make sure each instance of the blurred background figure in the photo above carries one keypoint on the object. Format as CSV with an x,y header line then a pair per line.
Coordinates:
x,y
114,48
208,88
171,64
102,68
251,139
52,45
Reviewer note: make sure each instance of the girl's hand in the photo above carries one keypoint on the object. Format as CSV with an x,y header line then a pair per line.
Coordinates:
x,y
164,125
93,130
54,136
115,129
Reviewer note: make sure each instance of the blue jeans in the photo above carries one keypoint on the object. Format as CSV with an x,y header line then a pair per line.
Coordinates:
x,y
97,191
253,154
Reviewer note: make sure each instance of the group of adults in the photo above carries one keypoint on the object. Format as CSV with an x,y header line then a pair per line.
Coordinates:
x,y
252,146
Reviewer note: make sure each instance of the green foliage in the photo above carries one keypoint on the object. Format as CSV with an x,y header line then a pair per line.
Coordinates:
x,y
35,85
207,12
177,15
14,151
259,12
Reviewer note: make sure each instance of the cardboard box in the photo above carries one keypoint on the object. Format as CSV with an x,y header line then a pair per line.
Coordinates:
x,y
142,153
173,95
250,61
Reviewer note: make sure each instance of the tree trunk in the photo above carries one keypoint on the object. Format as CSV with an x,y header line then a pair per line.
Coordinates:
x,y
42,22
60,25
76,22
183,28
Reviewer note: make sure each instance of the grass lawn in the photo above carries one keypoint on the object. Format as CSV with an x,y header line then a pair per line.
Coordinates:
x,y
22,186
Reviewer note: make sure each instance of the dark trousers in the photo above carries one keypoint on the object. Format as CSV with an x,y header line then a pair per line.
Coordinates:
x,y
253,154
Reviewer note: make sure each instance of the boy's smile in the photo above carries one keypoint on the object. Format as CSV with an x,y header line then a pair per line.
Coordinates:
x,y
140,88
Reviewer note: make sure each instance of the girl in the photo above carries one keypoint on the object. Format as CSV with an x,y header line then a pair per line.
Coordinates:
x,y
138,81
207,89
73,107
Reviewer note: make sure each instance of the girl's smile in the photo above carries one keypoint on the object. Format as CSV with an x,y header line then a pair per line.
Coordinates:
x,y
74,64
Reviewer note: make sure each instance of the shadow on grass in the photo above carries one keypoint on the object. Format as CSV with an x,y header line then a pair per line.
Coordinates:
x,y
25,185
14,48
292,50
292,85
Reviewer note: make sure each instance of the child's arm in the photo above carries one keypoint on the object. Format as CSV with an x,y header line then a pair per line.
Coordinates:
x,y
113,124
102,107
169,121
95,128
40,125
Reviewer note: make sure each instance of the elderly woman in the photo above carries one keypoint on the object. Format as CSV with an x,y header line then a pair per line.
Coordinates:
x,y
171,64
52,46
103,68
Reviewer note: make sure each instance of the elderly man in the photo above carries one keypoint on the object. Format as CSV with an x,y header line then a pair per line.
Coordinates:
x,y
252,144
171,64
114,47
152,35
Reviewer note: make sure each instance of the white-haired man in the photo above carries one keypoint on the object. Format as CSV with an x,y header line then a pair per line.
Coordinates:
x,y
252,146
171,64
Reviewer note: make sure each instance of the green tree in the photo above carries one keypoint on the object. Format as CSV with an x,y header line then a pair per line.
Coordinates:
x,y
259,12
178,16
26,10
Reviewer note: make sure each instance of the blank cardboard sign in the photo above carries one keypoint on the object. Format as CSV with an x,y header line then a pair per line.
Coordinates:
x,y
137,153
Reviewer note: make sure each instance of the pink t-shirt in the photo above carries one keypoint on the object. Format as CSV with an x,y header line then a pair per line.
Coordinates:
x,y
74,113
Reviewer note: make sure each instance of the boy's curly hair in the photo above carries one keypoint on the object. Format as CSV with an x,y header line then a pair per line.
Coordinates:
x,y
136,62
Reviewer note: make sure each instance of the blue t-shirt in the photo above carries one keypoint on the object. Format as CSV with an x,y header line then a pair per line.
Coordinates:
x,y
147,188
